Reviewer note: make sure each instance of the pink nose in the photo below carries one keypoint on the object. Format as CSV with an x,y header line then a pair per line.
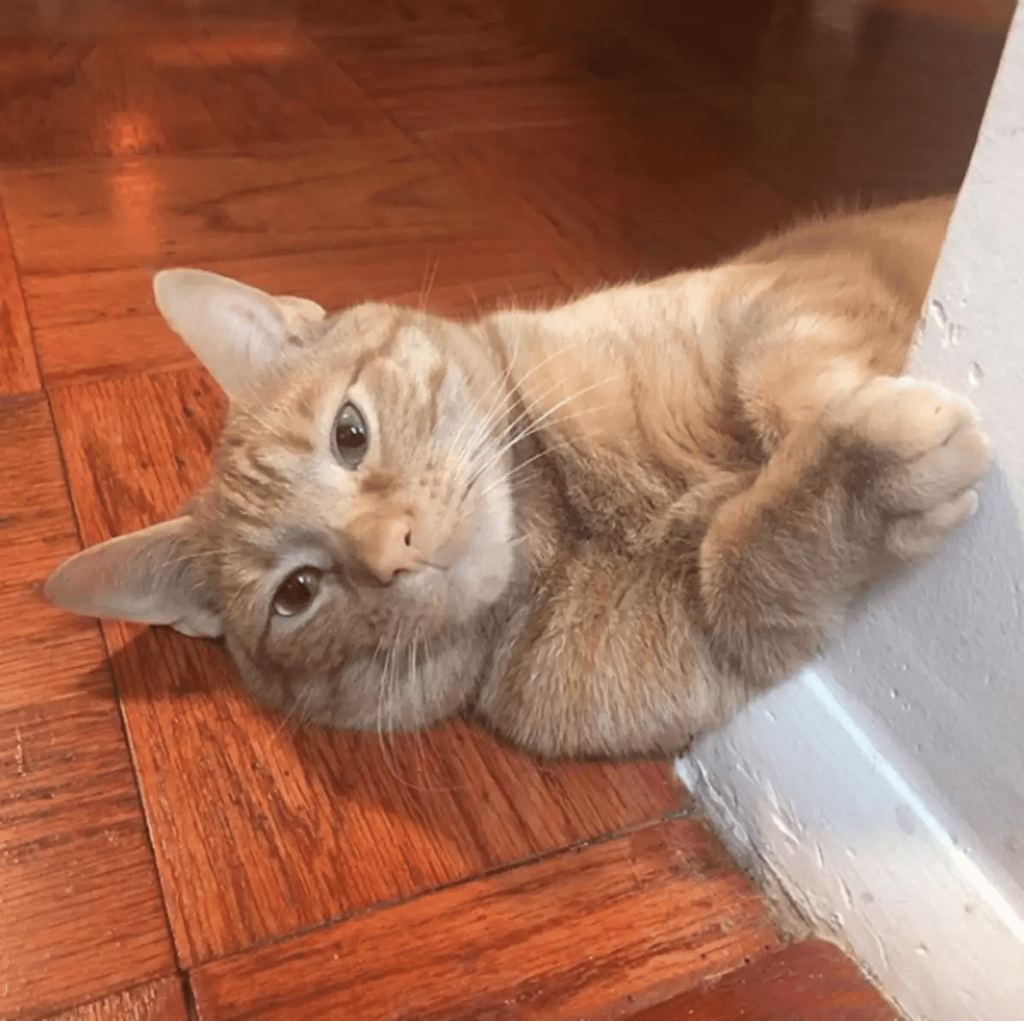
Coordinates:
x,y
384,543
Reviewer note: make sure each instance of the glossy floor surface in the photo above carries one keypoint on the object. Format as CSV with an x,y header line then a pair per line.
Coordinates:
x,y
166,849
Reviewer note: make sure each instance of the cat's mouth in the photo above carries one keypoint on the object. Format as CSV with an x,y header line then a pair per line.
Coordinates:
x,y
462,574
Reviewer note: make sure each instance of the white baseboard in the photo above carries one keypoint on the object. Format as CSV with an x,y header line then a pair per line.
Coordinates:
x,y
801,788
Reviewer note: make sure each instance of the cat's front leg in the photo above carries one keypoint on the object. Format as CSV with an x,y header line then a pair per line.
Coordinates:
x,y
888,472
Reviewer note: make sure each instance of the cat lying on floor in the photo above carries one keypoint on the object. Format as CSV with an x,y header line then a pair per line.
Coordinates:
x,y
601,528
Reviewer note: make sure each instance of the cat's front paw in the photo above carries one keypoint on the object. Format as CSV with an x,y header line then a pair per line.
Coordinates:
x,y
924,451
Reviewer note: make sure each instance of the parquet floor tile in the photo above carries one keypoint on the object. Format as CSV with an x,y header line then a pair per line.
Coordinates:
x,y
18,373
173,92
150,212
591,933
161,1000
80,909
808,981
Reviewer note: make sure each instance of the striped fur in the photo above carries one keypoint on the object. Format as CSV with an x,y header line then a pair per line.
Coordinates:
x,y
601,528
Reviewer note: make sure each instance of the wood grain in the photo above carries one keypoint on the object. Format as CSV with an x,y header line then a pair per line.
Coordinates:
x,y
295,828
628,214
30,18
171,91
157,1001
17,360
591,933
513,73
103,324
368,15
149,212
109,347
35,516
489,269
888,108
19,18
80,911
45,656
809,981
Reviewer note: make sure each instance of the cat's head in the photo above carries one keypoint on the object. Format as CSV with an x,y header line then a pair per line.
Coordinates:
x,y
359,512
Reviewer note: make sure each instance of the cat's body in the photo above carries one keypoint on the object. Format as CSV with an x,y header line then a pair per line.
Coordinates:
x,y
602,528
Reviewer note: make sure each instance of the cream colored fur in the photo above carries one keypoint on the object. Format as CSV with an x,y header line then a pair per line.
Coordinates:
x,y
601,528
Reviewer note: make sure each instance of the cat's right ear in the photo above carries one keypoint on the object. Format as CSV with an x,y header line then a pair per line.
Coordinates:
x,y
153,576
235,330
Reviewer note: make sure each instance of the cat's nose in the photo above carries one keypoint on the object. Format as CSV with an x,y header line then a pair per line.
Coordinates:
x,y
385,544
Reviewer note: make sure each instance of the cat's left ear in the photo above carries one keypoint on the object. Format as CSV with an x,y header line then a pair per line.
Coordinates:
x,y
235,330
153,576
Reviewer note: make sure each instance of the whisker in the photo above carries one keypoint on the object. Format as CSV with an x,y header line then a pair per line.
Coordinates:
x,y
292,714
506,391
382,694
511,476
510,432
426,750
535,426
507,375
428,283
530,408
493,412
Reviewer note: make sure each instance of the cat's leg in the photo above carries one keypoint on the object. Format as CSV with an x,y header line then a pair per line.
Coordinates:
x,y
797,369
879,481
607,661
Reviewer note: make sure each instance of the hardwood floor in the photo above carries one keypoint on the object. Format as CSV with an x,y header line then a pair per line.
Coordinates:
x,y
496,947
808,981
166,849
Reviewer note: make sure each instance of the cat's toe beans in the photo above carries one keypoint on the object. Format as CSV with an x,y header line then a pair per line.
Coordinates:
x,y
929,443
941,474
908,418
918,534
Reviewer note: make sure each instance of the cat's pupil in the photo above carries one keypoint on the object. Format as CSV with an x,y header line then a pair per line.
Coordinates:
x,y
351,436
297,591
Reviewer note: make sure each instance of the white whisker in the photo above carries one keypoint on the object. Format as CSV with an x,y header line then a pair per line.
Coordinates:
x,y
428,282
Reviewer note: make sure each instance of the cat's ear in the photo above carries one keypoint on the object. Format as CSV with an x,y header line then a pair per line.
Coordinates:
x,y
153,576
235,330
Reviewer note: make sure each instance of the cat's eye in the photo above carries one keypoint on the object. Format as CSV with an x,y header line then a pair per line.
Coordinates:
x,y
295,594
351,436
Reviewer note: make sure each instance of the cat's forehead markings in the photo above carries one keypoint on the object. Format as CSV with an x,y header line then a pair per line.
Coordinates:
x,y
437,375
424,363
382,350
241,437
259,462
294,441
305,401
435,388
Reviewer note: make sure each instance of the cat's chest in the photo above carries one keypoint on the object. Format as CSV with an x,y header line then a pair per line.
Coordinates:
x,y
567,496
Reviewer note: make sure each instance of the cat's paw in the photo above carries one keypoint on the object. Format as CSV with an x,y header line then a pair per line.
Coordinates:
x,y
925,450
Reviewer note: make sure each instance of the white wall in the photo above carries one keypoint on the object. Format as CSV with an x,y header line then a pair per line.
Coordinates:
x,y
886,785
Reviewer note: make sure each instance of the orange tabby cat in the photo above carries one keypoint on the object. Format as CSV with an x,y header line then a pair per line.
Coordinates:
x,y
602,528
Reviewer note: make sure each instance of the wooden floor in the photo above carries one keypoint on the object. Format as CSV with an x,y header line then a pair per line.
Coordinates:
x,y
168,851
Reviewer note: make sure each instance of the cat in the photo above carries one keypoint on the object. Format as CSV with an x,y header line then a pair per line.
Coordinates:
x,y
601,528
